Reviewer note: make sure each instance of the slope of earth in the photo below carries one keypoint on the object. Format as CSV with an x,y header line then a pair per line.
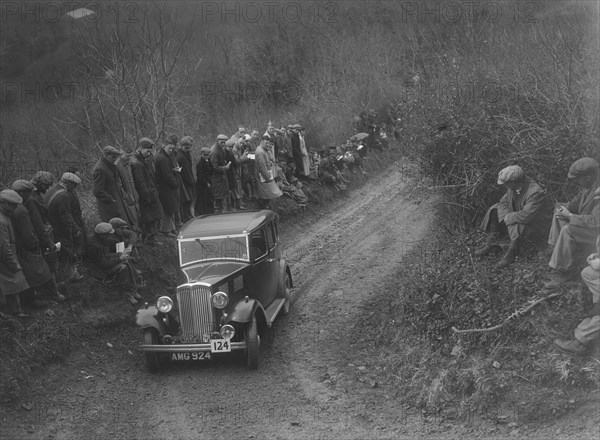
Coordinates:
x,y
314,381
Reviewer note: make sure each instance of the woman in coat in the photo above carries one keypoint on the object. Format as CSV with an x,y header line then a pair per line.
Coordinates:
x,y
266,188
167,184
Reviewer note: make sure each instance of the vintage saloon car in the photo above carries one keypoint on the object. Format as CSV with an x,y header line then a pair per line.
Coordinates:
x,y
233,283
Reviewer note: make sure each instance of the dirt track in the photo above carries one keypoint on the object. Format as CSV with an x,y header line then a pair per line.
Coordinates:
x,y
314,381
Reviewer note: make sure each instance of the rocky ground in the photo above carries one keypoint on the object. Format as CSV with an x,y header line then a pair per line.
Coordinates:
x,y
317,377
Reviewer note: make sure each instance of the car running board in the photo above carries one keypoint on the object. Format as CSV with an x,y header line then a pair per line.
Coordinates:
x,y
273,309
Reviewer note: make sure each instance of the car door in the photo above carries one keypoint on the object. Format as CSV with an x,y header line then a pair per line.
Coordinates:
x,y
263,277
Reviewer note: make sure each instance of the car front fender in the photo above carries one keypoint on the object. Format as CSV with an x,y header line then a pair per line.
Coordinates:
x,y
243,311
151,317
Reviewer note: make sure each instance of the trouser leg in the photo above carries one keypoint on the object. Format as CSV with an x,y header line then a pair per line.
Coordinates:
x,y
572,243
591,278
588,330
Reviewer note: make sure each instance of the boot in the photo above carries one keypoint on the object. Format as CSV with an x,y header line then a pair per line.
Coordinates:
x,y
239,205
560,278
571,347
490,245
509,257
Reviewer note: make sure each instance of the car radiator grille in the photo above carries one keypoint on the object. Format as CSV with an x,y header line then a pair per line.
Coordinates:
x,y
195,313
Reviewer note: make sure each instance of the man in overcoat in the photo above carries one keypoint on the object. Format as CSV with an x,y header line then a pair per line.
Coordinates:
x,y
107,183
204,198
524,211
168,183
12,278
61,215
577,225
220,166
151,211
129,195
184,159
42,181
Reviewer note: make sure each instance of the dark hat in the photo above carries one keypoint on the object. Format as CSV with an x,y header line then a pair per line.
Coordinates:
x,y
104,228
11,196
222,137
145,143
117,221
583,167
22,185
43,177
187,140
204,150
109,149
70,177
172,139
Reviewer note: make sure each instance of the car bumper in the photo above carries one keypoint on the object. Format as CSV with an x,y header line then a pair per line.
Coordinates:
x,y
186,348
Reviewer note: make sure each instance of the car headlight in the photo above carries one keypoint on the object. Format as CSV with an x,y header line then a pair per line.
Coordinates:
x,y
220,300
227,331
164,304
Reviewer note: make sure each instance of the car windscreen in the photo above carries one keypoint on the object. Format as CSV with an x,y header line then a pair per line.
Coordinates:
x,y
232,247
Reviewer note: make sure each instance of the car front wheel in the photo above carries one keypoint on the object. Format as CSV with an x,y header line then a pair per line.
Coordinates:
x,y
151,338
252,339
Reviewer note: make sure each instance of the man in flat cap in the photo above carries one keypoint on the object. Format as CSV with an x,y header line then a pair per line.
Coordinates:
x,y
43,181
112,264
184,159
169,186
38,213
151,211
204,198
525,211
29,251
129,195
62,213
220,166
12,278
577,225
108,185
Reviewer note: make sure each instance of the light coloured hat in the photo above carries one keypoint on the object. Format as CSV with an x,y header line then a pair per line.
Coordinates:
x,y
104,228
582,167
10,195
222,137
70,177
204,150
22,185
117,221
43,177
511,173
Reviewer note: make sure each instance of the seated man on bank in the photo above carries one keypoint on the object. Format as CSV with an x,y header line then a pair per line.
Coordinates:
x,y
588,330
523,212
575,226
113,264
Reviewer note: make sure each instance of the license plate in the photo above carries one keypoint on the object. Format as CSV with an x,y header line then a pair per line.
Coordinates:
x,y
220,345
194,356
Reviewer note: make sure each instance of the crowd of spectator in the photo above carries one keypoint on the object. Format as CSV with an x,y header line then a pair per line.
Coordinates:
x,y
150,193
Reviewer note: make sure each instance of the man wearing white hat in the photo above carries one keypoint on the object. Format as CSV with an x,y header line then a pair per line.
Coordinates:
x,y
12,278
524,211
61,215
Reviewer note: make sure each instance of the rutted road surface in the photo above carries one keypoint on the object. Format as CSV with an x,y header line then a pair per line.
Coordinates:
x,y
313,381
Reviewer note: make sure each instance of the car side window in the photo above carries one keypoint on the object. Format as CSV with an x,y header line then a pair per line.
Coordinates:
x,y
271,235
258,244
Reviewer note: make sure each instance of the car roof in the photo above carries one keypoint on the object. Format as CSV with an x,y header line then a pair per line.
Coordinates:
x,y
210,225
